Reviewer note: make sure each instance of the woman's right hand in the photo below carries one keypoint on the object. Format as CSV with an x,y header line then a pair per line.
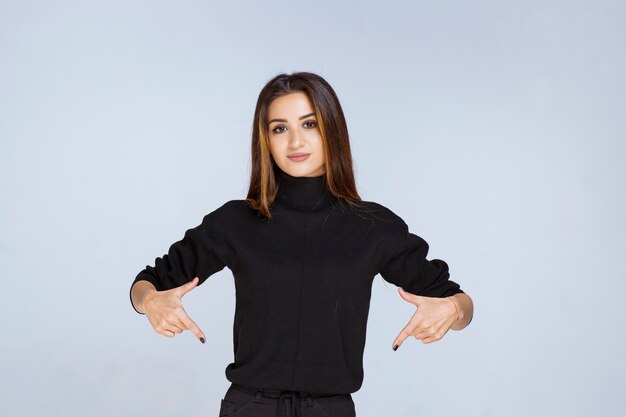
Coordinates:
x,y
166,313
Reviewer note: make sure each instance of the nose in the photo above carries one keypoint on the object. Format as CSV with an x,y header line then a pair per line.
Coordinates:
x,y
295,138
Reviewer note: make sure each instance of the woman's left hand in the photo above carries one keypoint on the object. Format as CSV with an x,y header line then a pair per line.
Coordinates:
x,y
431,321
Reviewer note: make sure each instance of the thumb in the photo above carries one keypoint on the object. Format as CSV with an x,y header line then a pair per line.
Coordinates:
x,y
185,288
407,296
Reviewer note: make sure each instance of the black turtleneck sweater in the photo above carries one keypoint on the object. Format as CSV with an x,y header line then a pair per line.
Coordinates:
x,y
303,281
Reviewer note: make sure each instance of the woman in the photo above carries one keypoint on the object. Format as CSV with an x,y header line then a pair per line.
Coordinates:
x,y
303,249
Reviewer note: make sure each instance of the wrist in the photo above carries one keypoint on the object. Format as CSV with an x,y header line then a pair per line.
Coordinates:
x,y
457,312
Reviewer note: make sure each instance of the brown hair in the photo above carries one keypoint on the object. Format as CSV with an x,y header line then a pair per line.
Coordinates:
x,y
333,131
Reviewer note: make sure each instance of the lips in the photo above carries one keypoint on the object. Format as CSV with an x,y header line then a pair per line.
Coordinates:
x,y
298,157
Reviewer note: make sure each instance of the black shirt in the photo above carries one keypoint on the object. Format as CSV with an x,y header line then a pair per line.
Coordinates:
x,y
303,281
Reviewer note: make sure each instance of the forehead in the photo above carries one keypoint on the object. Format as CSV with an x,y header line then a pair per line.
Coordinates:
x,y
289,106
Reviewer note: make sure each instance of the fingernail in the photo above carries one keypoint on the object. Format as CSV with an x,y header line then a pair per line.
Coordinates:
x,y
395,347
202,339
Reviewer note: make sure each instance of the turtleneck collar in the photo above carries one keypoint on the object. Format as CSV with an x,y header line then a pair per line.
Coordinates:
x,y
303,193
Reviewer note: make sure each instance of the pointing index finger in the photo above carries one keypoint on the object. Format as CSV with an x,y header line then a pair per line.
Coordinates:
x,y
193,327
406,332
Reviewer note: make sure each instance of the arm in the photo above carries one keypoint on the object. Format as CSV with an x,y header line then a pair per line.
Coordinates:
x,y
195,255
406,265
426,284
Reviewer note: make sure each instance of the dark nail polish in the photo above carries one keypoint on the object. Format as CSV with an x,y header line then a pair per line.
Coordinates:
x,y
395,347
202,339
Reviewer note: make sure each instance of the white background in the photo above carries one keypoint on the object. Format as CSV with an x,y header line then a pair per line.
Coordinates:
x,y
495,129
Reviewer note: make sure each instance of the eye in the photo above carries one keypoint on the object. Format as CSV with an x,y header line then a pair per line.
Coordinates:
x,y
311,123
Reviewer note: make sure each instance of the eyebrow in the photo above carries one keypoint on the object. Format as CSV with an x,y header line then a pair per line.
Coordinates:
x,y
285,120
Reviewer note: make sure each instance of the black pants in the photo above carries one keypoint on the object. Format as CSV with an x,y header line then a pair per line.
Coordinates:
x,y
243,401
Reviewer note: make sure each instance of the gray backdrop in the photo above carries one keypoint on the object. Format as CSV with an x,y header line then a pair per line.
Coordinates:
x,y
495,129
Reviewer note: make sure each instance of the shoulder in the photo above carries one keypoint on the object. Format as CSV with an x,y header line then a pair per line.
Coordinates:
x,y
229,207
381,217
231,210
231,215
387,230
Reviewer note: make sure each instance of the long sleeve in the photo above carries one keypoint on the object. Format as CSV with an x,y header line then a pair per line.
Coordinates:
x,y
408,267
194,255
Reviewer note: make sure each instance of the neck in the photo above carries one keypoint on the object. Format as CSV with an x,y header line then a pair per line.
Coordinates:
x,y
303,193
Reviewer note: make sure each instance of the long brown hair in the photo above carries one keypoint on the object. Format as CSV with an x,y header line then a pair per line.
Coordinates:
x,y
333,131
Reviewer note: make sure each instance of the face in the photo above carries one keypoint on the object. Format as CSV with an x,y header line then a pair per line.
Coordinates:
x,y
294,136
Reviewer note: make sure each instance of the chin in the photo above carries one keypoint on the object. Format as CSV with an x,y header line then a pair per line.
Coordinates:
x,y
311,171
301,171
